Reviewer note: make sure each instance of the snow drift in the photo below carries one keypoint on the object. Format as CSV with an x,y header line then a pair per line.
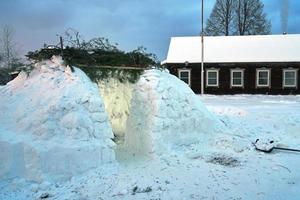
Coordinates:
x,y
53,124
165,115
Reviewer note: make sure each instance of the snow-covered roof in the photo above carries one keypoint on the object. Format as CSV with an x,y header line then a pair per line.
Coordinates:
x,y
235,49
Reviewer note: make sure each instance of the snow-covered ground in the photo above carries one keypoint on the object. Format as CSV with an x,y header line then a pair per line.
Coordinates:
x,y
224,174
267,117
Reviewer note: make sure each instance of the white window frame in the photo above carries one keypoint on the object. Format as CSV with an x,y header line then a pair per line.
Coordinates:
x,y
242,77
185,70
296,78
257,78
212,85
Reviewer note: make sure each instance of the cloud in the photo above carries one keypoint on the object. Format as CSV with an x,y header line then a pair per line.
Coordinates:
x,y
130,23
34,15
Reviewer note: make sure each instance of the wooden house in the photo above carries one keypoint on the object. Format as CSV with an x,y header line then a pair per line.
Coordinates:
x,y
267,64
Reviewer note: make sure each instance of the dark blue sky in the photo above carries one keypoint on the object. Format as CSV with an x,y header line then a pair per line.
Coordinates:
x,y
130,23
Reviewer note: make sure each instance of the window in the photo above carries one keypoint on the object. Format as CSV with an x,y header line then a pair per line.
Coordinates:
x,y
263,77
185,75
212,78
290,78
237,78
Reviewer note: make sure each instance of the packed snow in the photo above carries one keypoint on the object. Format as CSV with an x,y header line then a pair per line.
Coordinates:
x,y
117,100
202,150
53,124
165,115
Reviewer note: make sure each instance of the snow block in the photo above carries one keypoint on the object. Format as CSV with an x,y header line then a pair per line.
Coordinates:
x,y
50,160
165,115
53,124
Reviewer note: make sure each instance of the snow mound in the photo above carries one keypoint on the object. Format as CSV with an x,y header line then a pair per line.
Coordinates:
x,y
53,123
166,115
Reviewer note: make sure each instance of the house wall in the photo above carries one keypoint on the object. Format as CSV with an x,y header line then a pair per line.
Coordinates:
x,y
276,86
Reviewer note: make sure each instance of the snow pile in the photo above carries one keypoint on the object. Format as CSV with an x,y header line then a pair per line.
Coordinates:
x,y
228,111
166,115
53,123
117,96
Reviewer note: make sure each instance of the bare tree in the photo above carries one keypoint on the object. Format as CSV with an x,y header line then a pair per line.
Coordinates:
x,y
220,20
238,17
8,47
250,19
74,39
102,44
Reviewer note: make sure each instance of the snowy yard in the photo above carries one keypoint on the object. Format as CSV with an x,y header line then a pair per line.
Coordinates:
x,y
244,174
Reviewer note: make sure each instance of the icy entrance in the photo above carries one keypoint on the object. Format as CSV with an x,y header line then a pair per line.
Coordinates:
x,y
158,114
117,96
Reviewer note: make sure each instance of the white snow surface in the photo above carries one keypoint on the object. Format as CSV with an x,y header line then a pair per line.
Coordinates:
x,y
221,174
165,115
52,124
232,49
218,162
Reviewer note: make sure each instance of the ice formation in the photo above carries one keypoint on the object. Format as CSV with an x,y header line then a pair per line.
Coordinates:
x,y
165,115
117,96
53,123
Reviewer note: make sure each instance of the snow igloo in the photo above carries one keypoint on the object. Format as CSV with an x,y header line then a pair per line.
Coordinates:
x,y
166,115
53,124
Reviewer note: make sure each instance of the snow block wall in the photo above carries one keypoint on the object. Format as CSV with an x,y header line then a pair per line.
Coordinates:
x,y
117,96
165,115
52,124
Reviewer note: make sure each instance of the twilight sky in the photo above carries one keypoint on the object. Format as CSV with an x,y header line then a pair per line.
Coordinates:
x,y
130,23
